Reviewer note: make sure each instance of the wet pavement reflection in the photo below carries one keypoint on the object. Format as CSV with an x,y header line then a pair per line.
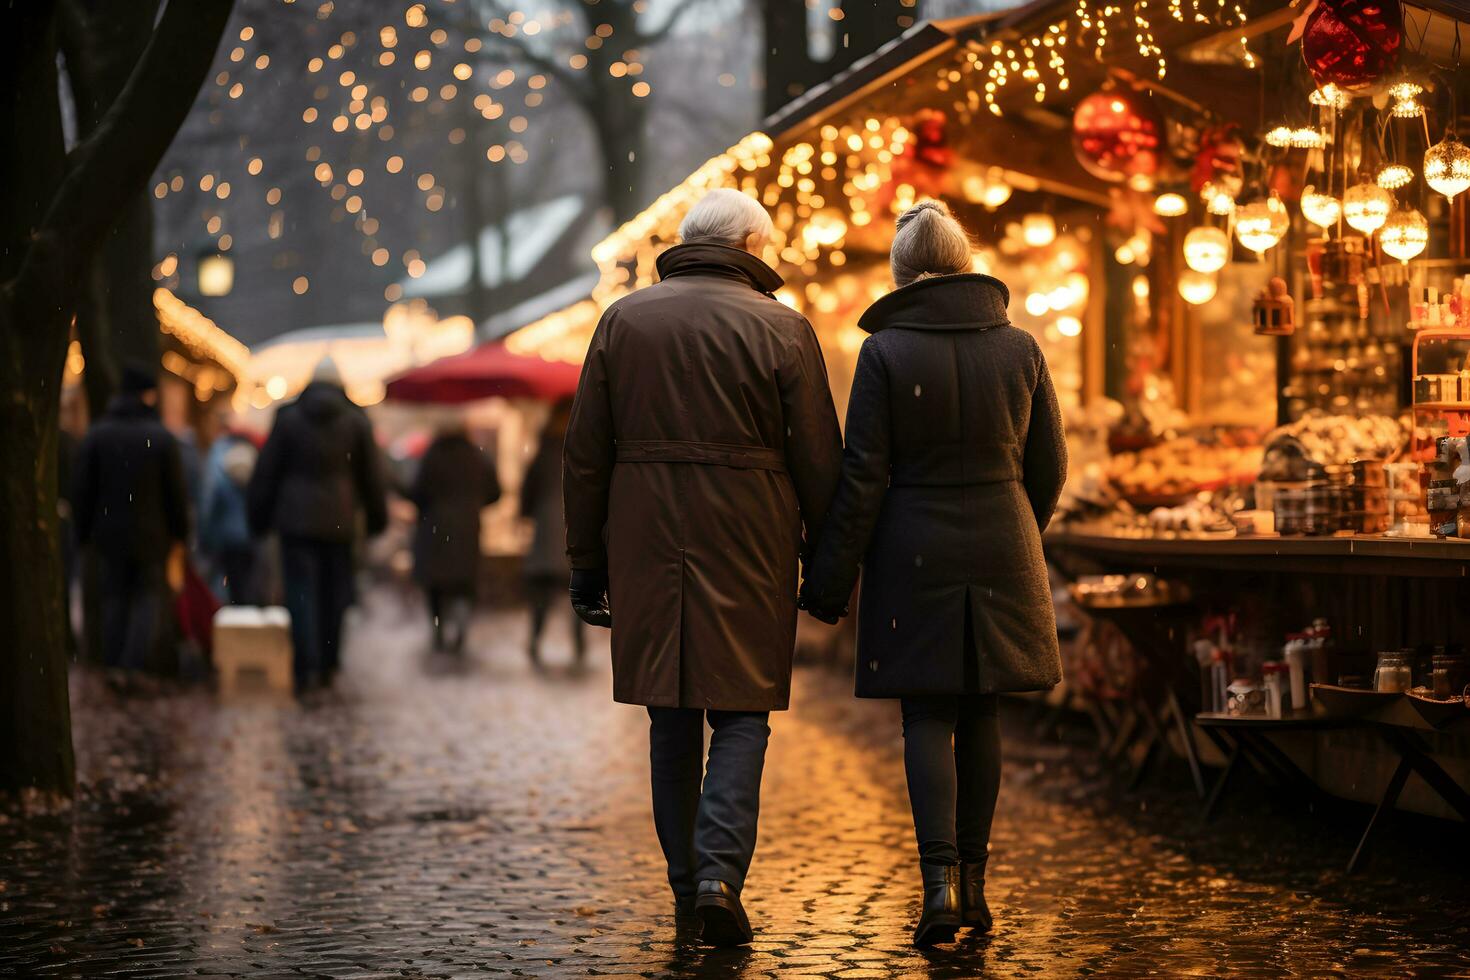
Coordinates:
x,y
439,819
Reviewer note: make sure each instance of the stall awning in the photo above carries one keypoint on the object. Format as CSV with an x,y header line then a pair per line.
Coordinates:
x,y
488,371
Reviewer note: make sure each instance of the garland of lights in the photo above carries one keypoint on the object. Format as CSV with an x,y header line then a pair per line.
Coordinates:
x,y
1025,58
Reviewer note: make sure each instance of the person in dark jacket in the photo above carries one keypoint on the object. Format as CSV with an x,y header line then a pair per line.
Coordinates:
x,y
702,441
455,481
318,471
954,462
130,506
546,567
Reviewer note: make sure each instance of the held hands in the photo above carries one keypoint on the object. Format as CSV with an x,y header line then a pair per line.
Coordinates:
x,y
589,596
818,609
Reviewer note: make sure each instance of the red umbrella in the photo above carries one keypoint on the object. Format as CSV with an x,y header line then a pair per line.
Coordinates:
x,y
487,371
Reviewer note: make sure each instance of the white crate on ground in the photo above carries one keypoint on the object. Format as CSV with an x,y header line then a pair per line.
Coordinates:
x,y
252,649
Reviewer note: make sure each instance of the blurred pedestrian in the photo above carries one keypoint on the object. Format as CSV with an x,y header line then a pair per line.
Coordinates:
x,y
702,440
224,525
955,458
129,505
316,476
546,569
455,481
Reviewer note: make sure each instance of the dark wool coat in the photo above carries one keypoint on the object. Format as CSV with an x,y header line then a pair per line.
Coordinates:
x,y
455,481
128,493
702,440
955,458
318,470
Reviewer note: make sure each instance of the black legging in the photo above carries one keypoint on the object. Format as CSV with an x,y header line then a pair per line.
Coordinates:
x,y
951,753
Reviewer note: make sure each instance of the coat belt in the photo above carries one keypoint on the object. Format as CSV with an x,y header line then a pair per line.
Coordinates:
x,y
705,453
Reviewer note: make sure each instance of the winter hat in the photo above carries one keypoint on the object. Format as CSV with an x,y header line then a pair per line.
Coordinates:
x,y
137,378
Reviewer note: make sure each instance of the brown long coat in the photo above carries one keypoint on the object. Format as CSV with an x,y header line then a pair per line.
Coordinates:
x,y
702,440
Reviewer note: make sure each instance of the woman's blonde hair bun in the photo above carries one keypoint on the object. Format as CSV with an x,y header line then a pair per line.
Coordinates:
x,y
929,242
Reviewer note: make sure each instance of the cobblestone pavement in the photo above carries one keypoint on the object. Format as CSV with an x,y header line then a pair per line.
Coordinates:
x,y
434,820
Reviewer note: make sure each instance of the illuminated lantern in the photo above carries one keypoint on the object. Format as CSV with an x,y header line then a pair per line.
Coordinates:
x,y
1392,176
1038,230
1366,206
1404,234
1217,199
1170,205
1196,287
1119,136
1322,210
1352,43
1260,224
1206,249
1330,96
1447,166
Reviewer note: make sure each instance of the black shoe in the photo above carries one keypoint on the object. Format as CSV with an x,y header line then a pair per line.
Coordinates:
x,y
972,897
722,915
941,917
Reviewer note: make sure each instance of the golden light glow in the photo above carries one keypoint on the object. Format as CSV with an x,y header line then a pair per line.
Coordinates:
x,y
1197,287
1259,225
1404,234
1206,249
1366,206
1447,166
1170,205
1320,209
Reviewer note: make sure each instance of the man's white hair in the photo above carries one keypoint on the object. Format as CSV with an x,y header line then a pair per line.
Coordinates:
x,y
725,217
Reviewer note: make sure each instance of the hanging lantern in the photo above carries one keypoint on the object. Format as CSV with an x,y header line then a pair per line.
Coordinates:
x,y
1406,104
1260,224
1392,176
1410,108
1404,234
1322,210
1206,249
1038,230
1170,205
1296,137
1197,287
1217,199
1352,43
1447,166
1118,136
1365,207
1330,96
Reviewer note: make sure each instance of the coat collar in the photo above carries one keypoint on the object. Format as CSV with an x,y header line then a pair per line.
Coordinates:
x,y
704,259
968,301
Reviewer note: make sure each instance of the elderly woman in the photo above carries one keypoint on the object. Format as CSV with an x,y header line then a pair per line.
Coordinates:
x,y
954,461
702,444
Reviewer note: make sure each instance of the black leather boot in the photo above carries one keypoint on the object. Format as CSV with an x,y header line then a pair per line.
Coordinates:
x,y
722,915
972,896
941,917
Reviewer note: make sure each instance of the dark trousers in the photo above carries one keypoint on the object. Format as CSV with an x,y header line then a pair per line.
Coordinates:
x,y
951,753
317,576
707,832
236,566
542,593
132,595
451,609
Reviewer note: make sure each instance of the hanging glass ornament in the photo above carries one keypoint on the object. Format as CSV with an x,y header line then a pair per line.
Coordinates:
x,y
1259,225
1352,43
1447,166
1322,210
1206,249
1297,137
1404,234
1197,287
1365,207
1118,135
1392,176
1409,108
1217,199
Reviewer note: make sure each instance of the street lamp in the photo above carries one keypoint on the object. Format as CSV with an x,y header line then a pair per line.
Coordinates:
x,y
216,273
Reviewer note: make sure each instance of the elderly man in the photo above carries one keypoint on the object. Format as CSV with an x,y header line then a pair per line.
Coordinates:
x,y
702,442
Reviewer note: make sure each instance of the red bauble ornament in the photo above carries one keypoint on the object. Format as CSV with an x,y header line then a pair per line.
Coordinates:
x,y
1118,135
1219,159
1352,43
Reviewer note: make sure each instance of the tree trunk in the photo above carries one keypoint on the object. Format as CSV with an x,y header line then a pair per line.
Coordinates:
x,y
621,123
55,210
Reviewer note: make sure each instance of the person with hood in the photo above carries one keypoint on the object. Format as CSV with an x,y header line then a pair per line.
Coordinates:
x,y
130,507
316,475
455,481
224,523
954,462
545,567
703,442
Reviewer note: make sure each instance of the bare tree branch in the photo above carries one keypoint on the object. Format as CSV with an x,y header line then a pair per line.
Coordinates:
x,y
120,155
648,38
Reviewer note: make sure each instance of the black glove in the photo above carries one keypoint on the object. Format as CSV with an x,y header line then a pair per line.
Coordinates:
x,y
817,610
589,596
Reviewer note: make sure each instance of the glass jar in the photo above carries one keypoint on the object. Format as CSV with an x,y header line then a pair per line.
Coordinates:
x,y
1447,675
1394,674
1443,504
